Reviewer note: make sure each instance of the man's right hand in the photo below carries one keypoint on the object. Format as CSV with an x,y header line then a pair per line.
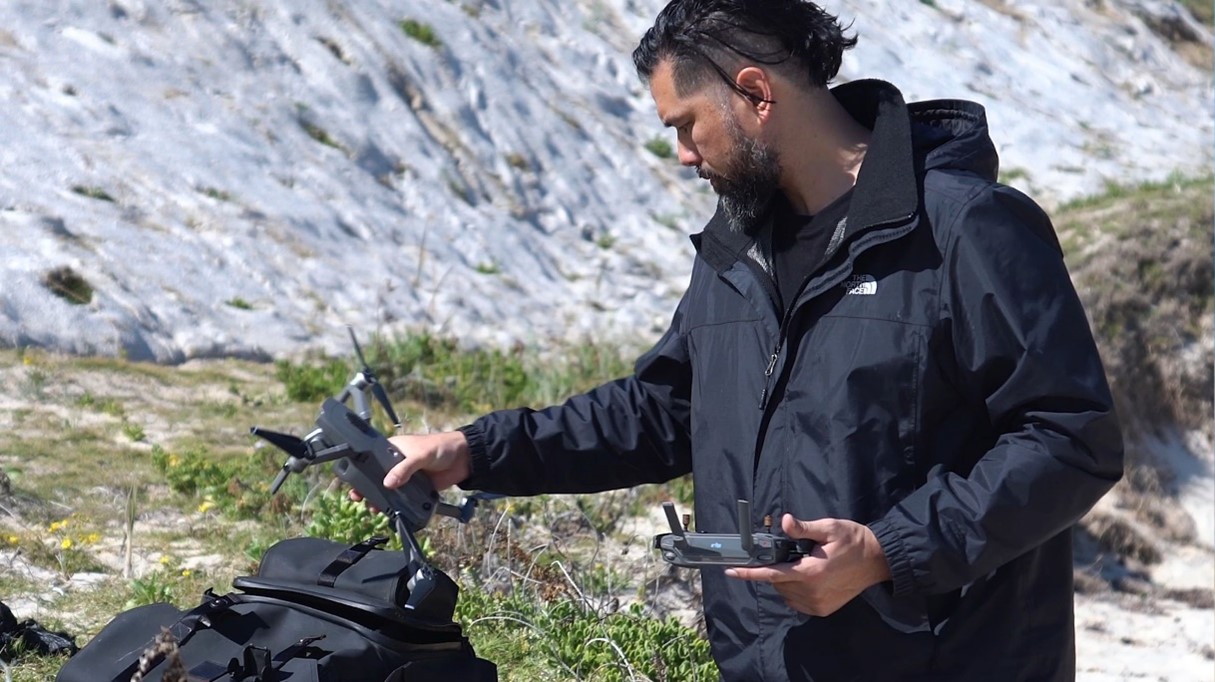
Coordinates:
x,y
443,456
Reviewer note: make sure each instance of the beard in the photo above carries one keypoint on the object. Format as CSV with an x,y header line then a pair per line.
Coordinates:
x,y
748,181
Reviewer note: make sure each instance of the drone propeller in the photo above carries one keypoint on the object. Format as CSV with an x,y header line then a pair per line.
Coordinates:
x,y
377,389
296,447
359,352
382,397
293,446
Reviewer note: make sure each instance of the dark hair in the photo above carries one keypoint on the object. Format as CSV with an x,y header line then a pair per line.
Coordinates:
x,y
713,38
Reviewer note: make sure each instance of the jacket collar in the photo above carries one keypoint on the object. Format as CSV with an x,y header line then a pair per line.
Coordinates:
x,y
887,188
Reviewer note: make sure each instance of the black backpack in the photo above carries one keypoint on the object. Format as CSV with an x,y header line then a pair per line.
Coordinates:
x,y
317,611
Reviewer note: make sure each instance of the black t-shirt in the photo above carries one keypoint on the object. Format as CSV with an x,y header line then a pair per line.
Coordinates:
x,y
799,244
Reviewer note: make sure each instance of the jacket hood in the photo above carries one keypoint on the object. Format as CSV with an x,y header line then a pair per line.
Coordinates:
x,y
952,133
945,133
907,140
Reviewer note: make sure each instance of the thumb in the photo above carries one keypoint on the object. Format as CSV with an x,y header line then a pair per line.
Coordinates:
x,y
398,475
818,530
403,470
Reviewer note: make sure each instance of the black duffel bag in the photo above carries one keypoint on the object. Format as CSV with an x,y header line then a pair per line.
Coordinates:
x,y
317,611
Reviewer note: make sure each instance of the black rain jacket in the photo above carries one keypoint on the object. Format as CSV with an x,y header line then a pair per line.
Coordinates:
x,y
936,379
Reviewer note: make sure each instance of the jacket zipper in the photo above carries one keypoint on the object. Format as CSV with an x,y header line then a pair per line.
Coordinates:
x,y
782,334
763,397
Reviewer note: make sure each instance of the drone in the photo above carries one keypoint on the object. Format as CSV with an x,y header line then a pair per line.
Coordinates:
x,y
361,457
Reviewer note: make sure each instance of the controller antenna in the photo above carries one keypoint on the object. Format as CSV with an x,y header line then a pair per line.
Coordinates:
x,y
677,529
744,526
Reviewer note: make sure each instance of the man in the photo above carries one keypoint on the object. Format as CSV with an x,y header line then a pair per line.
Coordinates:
x,y
879,345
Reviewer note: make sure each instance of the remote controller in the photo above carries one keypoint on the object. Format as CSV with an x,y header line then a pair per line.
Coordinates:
x,y
698,550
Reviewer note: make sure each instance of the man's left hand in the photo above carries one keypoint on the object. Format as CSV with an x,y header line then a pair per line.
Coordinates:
x,y
846,559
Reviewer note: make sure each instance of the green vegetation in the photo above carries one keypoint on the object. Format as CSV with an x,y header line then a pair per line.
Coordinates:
x,y
315,379
319,134
423,33
108,406
438,373
1011,175
216,194
63,547
157,587
1115,192
93,193
239,303
660,147
69,285
336,517
531,636
133,431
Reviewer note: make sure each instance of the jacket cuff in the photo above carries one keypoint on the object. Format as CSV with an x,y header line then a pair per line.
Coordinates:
x,y
478,456
901,575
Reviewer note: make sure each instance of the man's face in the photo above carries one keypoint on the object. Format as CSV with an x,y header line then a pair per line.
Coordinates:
x,y
742,169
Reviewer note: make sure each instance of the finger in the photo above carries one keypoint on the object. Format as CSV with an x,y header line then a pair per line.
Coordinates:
x,y
399,474
819,530
404,470
764,574
356,496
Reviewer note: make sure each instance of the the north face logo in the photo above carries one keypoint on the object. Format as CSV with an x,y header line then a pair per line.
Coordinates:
x,y
860,285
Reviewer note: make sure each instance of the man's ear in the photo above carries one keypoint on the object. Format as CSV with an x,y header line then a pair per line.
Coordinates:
x,y
757,82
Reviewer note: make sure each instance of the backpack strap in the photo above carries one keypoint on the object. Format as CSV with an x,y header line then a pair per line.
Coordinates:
x,y
200,617
346,559
255,663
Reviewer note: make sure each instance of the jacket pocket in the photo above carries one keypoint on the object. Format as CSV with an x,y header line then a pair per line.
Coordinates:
x,y
851,411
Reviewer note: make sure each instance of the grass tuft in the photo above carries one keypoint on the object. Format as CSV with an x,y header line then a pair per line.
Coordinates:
x,y
660,147
421,32
93,193
69,285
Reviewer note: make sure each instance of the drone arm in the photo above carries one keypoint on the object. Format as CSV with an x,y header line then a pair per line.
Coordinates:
x,y
362,406
464,511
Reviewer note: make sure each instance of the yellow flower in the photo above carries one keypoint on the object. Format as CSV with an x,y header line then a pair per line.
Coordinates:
x,y
206,506
13,539
58,526
92,538
165,559
185,572
66,544
174,460
27,360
